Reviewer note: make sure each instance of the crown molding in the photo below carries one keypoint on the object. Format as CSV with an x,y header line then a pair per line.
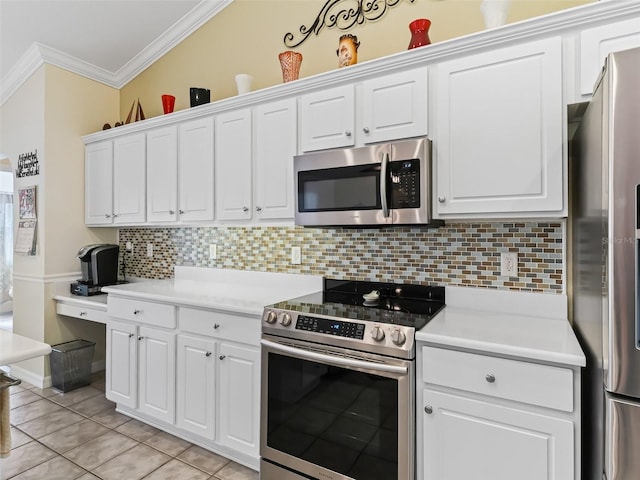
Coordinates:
x,y
39,54
21,71
184,27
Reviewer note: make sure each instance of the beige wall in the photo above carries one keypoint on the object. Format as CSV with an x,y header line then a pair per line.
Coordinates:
x,y
75,106
50,112
247,36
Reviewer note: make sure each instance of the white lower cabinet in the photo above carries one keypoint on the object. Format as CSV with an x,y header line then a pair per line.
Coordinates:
x,y
491,418
239,397
193,372
196,385
157,373
466,438
121,382
140,369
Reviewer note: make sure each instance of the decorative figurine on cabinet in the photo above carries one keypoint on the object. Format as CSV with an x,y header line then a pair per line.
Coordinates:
x,y
347,50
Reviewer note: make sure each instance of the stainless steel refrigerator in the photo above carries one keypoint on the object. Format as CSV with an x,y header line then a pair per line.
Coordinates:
x,y
604,227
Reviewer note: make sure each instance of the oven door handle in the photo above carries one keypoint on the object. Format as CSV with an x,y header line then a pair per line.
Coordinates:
x,y
346,362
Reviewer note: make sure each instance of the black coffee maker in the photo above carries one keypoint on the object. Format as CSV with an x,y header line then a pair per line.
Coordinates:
x,y
99,265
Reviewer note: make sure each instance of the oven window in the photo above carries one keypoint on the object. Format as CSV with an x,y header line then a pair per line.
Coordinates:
x,y
339,189
339,419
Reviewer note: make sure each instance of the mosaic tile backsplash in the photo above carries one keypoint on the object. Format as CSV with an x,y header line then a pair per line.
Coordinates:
x,y
463,254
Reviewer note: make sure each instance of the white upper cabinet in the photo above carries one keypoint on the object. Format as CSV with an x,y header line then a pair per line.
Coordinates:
x,y
115,181
129,179
390,107
498,146
180,172
98,183
596,43
327,119
162,171
275,146
196,170
395,106
233,165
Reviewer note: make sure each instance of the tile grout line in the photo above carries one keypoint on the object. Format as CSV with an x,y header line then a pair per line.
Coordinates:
x,y
110,429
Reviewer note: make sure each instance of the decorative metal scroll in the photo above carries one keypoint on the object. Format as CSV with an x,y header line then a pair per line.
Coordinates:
x,y
342,14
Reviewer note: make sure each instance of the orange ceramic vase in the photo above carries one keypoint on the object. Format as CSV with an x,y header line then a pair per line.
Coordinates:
x,y
290,63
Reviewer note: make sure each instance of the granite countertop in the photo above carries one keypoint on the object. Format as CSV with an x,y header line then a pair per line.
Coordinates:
x,y
542,334
15,348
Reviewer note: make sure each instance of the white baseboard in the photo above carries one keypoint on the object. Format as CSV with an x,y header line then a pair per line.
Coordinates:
x,y
45,382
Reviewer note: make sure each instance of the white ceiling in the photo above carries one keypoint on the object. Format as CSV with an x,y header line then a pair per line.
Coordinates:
x,y
108,40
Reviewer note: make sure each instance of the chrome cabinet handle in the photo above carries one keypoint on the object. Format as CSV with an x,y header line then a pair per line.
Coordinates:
x,y
82,314
222,357
245,209
216,326
491,378
106,215
207,354
136,312
441,199
171,212
365,129
140,338
348,133
258,209
130,335
180,212
428,409
115,215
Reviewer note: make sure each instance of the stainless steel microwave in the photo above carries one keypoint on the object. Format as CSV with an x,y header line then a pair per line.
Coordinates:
x,y
378,185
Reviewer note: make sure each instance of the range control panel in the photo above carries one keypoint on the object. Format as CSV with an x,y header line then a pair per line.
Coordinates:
x,y
333,327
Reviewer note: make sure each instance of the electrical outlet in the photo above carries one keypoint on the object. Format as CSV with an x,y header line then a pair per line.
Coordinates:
x,y
296,256
150,250
129,248
509,264
213,251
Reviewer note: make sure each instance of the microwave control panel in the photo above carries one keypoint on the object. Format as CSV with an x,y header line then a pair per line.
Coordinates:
x,y
405,183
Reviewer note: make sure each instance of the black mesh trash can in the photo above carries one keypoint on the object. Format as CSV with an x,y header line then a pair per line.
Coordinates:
x,y
71,364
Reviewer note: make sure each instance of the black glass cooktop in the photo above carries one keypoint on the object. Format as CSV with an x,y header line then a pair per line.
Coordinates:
x,y
401,304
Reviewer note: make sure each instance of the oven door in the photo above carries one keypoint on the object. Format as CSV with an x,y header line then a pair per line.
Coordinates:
x,y
331,413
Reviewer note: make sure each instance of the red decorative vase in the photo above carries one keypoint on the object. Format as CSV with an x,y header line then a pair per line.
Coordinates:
x,y
419,33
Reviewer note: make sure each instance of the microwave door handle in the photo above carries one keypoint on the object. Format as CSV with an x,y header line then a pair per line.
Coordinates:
x,y
341,361
383,185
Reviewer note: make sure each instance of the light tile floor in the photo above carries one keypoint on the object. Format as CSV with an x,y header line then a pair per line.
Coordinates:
x,y
79,435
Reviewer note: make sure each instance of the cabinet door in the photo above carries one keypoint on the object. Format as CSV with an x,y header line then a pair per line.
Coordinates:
x,y
195,403
465,438
98,184
275,141
239,398
121,379
162,171
596,43
327,119
233,165
498,147
195,175
157,373
129,179
395,106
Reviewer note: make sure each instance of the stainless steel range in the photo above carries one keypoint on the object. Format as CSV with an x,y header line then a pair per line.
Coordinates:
x,y
338,382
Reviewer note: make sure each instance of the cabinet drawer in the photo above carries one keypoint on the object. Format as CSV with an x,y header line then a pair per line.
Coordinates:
x,y
535,384
84,313
158,314
226,326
